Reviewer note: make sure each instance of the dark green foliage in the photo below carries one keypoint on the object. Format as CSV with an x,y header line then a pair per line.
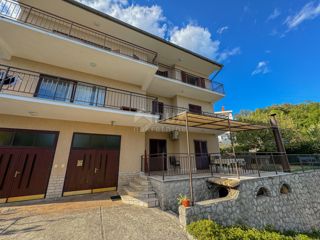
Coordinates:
x,y
300,127
209,230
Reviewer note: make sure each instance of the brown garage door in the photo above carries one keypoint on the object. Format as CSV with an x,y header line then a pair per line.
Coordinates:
x,y
93,164
25,163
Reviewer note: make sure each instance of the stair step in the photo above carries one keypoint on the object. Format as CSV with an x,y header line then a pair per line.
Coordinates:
x,y
140,194
149,202
139,187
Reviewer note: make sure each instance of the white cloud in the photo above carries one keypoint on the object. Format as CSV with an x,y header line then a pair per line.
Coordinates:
x,y
150,19
262,68
310,11
222,29
195,38
228,53
276,13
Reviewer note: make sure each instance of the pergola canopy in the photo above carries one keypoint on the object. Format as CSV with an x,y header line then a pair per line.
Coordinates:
x,y
213,121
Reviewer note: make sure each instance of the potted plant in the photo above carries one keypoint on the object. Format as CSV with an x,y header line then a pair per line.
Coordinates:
x,y
183,200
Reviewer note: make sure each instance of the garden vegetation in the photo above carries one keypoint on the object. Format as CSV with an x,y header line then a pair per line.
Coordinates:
x,y
209,230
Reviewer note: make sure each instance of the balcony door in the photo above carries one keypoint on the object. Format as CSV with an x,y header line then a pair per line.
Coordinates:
x,y
69,91
201,154
158,154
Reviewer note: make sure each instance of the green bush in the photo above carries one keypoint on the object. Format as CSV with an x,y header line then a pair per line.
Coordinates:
x,y
209,230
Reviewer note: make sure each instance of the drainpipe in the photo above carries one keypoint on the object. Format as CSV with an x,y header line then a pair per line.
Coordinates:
x,y
279,143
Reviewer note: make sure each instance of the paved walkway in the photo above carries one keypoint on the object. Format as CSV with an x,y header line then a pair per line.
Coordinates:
x,y
89,217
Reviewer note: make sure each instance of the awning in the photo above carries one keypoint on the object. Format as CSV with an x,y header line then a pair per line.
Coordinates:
x,y
211,121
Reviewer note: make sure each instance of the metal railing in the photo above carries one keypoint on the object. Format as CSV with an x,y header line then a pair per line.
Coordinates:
x,y
21,82
242,164
30,15
177,74
171,111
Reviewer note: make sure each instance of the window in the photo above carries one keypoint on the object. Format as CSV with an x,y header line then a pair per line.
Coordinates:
x,y
26,139
5,138
61,90
81,140
55,89
89,95
195,109
193,80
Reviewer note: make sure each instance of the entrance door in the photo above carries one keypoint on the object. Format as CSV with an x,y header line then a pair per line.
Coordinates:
x,y
158,154
93,164
201,154
25,163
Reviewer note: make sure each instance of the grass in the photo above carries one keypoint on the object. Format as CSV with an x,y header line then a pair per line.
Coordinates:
x,y
209,230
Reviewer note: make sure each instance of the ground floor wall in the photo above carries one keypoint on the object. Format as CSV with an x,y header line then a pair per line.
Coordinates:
x,y
132,146
168,191
295,207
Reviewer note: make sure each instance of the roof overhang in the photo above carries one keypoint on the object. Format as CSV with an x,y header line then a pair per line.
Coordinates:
x,y
212,121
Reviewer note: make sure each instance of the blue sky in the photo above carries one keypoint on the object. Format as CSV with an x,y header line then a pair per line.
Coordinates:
x,y
270,49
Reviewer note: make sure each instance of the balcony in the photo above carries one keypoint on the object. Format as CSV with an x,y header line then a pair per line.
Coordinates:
x,y
26,93
30,15
179,75
30,33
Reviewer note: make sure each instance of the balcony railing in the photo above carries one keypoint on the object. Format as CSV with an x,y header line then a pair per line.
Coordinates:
x,y
177,74
27,14
21,82
242,164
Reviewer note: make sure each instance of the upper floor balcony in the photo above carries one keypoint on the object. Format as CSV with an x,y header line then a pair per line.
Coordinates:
x,y
38,18
29,93
188,78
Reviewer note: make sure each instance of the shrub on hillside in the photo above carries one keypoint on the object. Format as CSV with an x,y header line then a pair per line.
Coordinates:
x,y
209,230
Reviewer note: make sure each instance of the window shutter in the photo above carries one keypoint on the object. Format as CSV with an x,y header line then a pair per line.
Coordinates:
x,y
183,76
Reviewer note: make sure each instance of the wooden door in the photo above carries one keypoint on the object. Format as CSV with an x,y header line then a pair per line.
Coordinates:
x,y
106,169
158,154
93,164
80,170
25,164
201,154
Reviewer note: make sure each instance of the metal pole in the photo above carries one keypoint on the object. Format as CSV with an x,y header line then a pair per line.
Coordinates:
x,y
274,164
233,150
189,159
163,165
279,143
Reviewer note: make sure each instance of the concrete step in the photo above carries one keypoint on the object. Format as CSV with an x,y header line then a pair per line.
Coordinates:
x,y
140,188
139,194
143,202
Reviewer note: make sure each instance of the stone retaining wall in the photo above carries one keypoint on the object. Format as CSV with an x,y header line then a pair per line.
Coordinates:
x,y
168,191
298,210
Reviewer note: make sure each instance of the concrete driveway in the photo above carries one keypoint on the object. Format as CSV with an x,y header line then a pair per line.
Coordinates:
x,y
87,217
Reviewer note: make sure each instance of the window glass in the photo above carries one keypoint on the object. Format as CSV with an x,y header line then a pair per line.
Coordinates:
x,y
24,139
98,141
44,140
5,138
89,95
56,89
81,141
113,142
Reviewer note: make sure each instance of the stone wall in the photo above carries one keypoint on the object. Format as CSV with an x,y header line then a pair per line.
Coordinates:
x,y
168,191
298,210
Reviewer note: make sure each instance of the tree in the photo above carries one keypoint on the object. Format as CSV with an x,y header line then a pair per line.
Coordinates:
x,y
299,124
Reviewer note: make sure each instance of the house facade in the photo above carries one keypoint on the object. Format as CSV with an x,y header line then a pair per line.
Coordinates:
x,y
82,95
